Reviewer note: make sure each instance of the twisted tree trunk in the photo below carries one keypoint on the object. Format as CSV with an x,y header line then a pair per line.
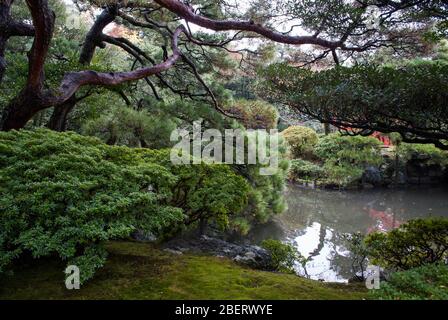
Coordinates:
x,y
59,117
21,110
58,120
33,98
5,18
30,99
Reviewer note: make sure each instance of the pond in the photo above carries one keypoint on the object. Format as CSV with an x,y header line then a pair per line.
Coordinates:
x,y
317,219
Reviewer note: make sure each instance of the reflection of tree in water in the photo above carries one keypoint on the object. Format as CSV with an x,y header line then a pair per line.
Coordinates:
x,y
320,246
327,255
309,256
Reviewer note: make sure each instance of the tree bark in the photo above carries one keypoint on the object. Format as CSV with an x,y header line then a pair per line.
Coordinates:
x,y
16,115
327,129
59,117
94,37
3,41
43,20
58,120
33,99
30,99
188,13
5,17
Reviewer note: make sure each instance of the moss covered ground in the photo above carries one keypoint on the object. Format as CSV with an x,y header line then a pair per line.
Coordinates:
x,y
142,271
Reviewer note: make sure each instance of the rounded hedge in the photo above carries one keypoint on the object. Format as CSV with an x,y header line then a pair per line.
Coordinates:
x,y
301,141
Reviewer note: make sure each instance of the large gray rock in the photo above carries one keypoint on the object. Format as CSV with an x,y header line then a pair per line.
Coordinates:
x,y
373,176
144,236
253,256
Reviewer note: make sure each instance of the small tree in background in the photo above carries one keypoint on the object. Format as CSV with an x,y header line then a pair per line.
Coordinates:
x,y
255,114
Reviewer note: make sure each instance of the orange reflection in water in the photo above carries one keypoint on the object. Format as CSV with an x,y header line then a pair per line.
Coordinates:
x,y
382,220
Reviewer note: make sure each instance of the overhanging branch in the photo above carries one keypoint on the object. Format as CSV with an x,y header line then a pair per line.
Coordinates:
x,y
187,13
73,81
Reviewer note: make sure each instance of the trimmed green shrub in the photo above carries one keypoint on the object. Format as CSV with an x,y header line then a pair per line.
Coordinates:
x,y
346,158
283,255
435,156
350,150
301,141
305,170
203,191
64,194
414,244
428,282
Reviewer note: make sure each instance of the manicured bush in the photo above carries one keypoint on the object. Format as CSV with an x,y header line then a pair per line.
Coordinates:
x,y
428,282
203,191
301,141
266,196
283,255
352,150
64,194
414,244
345,158
305,170
435,156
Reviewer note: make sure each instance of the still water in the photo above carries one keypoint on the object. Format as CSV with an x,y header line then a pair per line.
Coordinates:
x,y
317,219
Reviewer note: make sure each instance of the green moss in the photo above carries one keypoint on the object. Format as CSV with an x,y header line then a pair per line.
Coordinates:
x,y
140,271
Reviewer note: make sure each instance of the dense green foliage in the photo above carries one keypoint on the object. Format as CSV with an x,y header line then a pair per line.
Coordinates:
x,y
266,197
428,282
128,127
254,114
306,170
347,157
301,141
410,99
339,160
412,245
435,156
64,194
283,255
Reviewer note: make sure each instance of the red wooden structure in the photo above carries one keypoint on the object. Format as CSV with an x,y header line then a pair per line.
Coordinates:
x,y
384,139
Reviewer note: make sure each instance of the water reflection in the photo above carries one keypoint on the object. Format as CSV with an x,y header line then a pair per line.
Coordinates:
x,y
317,219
